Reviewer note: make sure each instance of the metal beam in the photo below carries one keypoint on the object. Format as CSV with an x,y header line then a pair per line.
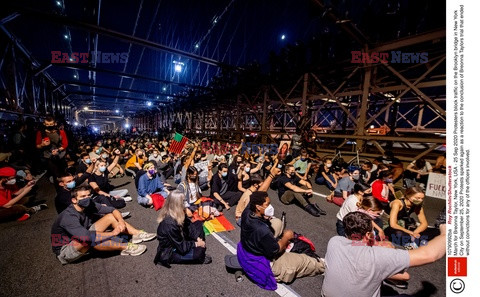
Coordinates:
x,y
63,20
119,97
135,76
410,40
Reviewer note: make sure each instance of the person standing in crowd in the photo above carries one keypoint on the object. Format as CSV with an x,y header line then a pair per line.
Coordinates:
x,y
14,199
175,244
149,184
52,143
325,175
356,268
401,210
259,245
75,230
291,187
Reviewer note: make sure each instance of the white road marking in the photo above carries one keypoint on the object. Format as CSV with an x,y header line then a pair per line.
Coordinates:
x,y
282,290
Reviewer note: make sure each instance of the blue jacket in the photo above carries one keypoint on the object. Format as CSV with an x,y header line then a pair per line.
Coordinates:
x,y
147,186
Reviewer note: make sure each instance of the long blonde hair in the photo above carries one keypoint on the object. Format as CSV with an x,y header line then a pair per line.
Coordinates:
x,y
173,207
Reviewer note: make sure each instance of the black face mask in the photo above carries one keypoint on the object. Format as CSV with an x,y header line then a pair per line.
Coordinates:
x,y
49,128
84,203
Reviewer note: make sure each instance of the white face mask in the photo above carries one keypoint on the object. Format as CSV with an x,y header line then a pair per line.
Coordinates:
x,y
269,211
329,165
11,182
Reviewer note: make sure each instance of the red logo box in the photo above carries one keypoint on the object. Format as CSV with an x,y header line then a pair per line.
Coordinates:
x,y
457,266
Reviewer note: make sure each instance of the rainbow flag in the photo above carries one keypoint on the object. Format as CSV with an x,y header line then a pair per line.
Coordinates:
x,y
178,143
218,224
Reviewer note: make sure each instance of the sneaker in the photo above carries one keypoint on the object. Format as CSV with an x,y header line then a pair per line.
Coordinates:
x,y
320,211
125,214
312,210
39,207
396,283
207,260
25,217
143,236
127,198
134,249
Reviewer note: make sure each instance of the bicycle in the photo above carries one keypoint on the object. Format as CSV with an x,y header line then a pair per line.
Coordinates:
x,y
339,161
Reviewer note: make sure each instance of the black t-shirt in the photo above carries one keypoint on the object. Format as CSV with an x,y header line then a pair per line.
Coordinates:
x,y
323,169
257,236
218,185
101,180
282,180
81,168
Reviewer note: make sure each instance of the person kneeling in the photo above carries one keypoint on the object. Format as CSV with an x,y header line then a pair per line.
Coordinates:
x,y
74,232
177,245
259,246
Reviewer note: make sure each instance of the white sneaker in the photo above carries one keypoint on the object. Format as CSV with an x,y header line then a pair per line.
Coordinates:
x,y
127,198
134,249
125,214
143,236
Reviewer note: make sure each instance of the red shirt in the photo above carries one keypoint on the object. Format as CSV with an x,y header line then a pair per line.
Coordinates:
x,y
62,134
6,195
380,190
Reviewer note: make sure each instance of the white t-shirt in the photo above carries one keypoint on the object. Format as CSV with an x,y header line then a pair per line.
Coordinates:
x,y
426,168
193,193
348,206
353,269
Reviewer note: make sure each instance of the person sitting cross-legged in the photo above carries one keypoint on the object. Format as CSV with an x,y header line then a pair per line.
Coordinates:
x,y
149,184
75,232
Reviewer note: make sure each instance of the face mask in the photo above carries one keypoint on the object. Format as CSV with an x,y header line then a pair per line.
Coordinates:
x,y
329,165
247,169
97,151
50,128
389,180
104,156
155,155
141,155
88,161
302,159
269,211
102,168
71,184
151,171
279,166
417,202
355,176
85,202
224,174
11,182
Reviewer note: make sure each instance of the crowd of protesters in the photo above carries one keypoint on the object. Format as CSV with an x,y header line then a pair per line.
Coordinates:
x,y
374,222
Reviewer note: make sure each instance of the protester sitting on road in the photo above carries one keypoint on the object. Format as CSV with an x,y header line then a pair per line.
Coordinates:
x,y
175,244
99,180
291,187
259,245
245,170
345,186
382,189
417,172
409,234
351,204
75,230
135,163
325,175
148,184
13,200
302,165
221,193
356,267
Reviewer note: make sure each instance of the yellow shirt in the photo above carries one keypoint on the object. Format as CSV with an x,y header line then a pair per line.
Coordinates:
x,y
133,159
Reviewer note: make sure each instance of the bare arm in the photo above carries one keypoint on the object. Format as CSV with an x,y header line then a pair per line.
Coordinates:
x,y
434,250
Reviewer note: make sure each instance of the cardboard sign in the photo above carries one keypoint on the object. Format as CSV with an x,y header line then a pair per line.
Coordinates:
x,y
436,186
202,168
